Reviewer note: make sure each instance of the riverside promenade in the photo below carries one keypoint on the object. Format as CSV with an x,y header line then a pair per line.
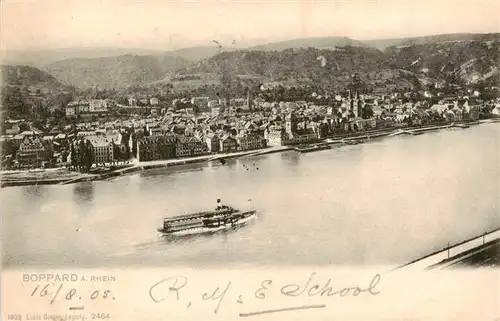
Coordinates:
x,y
479,250
63,176
142,166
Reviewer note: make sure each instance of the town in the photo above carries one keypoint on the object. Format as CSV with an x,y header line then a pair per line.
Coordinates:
x,y
100,133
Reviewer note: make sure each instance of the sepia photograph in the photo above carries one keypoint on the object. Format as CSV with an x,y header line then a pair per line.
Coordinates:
x,y
249,134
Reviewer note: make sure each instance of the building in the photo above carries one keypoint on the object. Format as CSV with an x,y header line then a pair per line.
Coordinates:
x,y
32,152
276,136
182,103
98,106
102,149
250,140
294,135
215,107
154,101
323,129
201,103
152,148
308,136
84,133
189,147
77,107
157,130
495,112
212,142
12,127
359,124
470,112
132,101
457,113
70,111
228,144
217,110
86,107
355,104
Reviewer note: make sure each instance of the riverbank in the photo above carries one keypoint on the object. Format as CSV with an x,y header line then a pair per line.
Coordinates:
x,y
64,176
50,176
475,250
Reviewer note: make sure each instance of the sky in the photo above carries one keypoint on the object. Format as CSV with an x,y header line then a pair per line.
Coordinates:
x,y
167,25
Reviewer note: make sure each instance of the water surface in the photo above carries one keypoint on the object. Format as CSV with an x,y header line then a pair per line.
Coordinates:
x,y
388,201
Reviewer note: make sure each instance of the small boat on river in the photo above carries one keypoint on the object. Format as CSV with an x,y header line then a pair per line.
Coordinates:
x,y
353,141
222,218
313,148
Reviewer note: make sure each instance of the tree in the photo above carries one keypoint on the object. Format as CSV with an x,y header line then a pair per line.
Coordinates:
x,y
38,124
14,102
368,112
122,100
24,127
58,114
89,156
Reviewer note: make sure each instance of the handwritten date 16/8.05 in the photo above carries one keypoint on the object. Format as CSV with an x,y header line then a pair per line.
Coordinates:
x,y
172,288
53,292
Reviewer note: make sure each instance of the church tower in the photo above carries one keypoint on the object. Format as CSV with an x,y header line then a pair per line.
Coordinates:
x,y
349,100
359,106
291,124
249,99
355,104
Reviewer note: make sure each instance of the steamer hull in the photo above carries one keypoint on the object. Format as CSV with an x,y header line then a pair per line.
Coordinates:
x,y
222,218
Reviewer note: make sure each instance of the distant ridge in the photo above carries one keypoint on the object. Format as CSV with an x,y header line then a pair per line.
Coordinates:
x,y
382,44
197,53
320,43
41,58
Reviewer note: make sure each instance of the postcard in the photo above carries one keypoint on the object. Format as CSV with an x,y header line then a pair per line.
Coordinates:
x,y
227,160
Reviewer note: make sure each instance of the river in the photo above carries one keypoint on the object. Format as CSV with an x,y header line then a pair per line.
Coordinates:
x,y
387,201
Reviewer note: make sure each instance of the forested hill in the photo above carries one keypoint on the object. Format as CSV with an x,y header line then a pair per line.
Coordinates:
x,y
459,62
30,92
409,63
26,76
115,72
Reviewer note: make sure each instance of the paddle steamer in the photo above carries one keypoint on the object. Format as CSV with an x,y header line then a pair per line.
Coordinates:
x,y
222,218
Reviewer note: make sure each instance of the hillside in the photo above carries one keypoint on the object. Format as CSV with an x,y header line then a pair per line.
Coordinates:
x,y
115,72
458,61
318,67
320,43
437,60
404,63
41,58
30,92
26,76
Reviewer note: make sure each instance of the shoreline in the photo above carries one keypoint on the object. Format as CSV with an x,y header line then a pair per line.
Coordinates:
x,y
142,166
450,254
